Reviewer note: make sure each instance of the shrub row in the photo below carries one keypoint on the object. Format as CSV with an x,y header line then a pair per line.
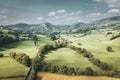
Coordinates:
x,y
21,58
114,37
40,65
7,39
48,67
108,70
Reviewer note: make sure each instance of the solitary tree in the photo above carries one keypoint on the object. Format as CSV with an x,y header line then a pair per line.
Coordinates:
x,y
35,38
109,49
1,55
89,71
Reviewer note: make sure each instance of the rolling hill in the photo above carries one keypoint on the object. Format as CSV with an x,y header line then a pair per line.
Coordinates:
x,y
111,22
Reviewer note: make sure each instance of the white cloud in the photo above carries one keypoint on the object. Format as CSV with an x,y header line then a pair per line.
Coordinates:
x,y
110,3
3,16
98,0
97,14
57,12
40,18
3,11
65,17
20,21
114,11
60,11
52,13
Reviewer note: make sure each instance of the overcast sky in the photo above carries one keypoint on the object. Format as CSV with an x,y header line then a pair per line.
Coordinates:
x,y
56,11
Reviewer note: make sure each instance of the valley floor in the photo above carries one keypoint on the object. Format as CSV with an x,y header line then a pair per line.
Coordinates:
x,y
51,76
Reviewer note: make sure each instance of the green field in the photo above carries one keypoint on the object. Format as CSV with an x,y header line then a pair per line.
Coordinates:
x,y
97,44
68,57
10,67
26,47
14,79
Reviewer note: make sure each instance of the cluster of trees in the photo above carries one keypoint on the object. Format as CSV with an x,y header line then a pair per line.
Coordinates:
x,y
79,44
114,37
54,36
21,58
7,39
56,45
35,39
1,55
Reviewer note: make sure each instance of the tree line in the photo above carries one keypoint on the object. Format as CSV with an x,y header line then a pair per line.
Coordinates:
x,y
108,70
40,65
4,39
21,58
114,37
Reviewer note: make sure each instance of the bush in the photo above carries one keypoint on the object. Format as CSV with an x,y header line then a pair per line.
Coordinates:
x,y
89,71
109,73
79,44
26,61
105,66
1,55
12,54
21,58
109,49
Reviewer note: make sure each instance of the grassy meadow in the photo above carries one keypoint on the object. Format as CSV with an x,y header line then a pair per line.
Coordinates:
x,y
68,57
96,44
10,67
26,46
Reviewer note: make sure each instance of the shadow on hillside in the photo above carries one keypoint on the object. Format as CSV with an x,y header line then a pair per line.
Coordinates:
x,y
3,47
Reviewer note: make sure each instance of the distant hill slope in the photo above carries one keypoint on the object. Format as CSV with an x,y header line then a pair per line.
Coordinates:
x,y
110,19
112,22
43,27
4,30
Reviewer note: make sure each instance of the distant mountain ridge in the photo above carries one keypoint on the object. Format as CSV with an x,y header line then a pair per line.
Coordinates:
x,y
110,19
111,22
37,28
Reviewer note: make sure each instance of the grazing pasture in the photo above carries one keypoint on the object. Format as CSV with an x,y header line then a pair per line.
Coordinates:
x,y
68,57
96,44
10,67
26,46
